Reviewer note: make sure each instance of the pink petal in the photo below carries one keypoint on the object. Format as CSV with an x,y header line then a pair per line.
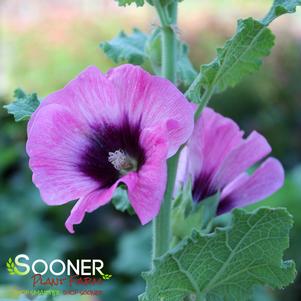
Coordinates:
x,y
54,146
89,203
58,130
213,139
240,180
90,97
153,100
266,180
250,151
146,189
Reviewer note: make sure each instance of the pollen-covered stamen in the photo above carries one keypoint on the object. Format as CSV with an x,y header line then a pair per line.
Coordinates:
x,y
122,161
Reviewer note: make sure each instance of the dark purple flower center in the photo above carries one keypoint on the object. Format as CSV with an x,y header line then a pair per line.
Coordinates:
x,y
112,151
202,187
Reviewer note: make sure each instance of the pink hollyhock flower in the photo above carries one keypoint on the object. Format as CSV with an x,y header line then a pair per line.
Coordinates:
x,y
103,130
216,159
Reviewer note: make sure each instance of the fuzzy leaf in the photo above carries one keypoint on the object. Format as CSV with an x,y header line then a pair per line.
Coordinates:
x,y
23,106
227,264
188,215
185,70
129,48
134,252
129,2
121,202
241,55
281,7
139,48
153,50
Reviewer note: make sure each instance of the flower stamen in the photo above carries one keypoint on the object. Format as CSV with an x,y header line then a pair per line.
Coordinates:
x,y
122,161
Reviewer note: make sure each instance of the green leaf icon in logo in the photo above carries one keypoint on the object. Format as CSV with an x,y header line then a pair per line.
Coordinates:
x,y
11,268
106,276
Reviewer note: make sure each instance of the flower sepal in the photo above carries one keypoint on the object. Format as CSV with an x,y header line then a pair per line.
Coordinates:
x,y
121,202
188,215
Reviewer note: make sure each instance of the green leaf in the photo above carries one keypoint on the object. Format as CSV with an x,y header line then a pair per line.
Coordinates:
x,y
241,55
262,294
128,48
188,215
279,8
227,264
139,49
153,50
129,2
134,252
185,70
23,106
121,202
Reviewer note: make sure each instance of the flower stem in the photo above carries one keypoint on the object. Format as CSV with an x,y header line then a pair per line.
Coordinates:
x,y
162,223
204,99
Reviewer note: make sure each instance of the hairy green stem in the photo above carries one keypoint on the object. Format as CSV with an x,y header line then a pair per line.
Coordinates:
x,y
169,53
162,223
204,102
205,97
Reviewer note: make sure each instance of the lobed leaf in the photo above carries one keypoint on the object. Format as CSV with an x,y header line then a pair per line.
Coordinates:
x,y
241,55
185,70
227,264
279,8
125,47
139,49
23,106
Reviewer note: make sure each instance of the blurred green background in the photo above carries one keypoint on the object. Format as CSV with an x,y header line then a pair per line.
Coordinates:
x,y
46,43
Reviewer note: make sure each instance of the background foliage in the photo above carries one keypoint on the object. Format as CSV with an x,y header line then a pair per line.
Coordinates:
x,y
46,43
